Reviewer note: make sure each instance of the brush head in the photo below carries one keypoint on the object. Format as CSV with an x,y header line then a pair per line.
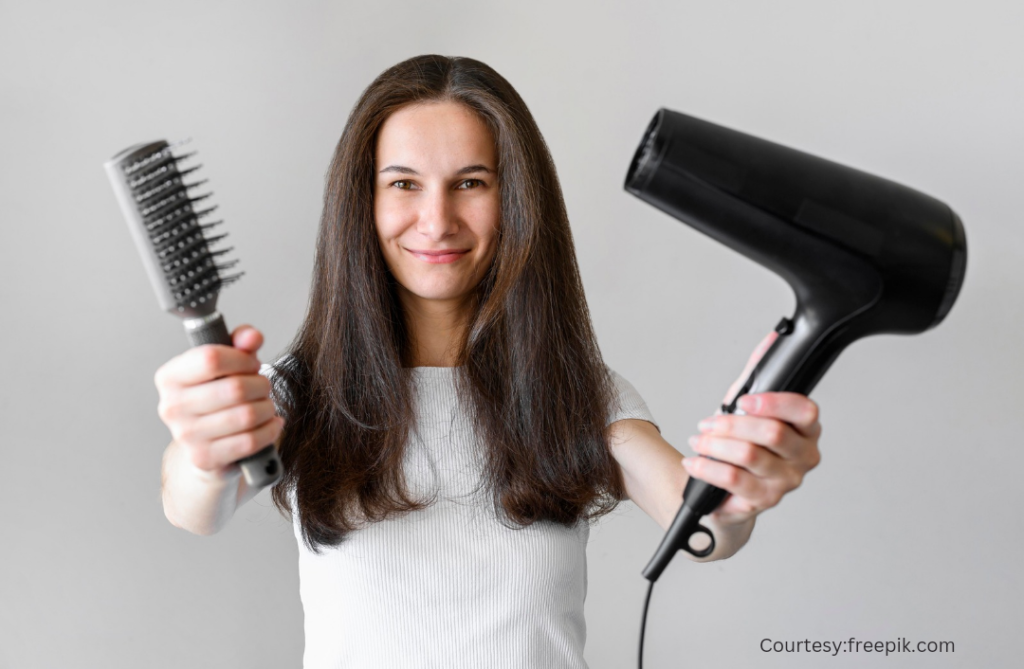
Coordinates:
x,y
165,216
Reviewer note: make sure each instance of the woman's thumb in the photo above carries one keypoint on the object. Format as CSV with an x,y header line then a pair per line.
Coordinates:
x,y
247,338
755,358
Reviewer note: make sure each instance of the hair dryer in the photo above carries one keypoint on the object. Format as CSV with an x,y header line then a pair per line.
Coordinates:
x,y
863,255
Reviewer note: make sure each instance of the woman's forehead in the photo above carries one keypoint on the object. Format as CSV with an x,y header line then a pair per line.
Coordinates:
x,y
435,136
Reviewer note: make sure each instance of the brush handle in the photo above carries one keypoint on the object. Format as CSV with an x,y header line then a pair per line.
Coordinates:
x,y
260,469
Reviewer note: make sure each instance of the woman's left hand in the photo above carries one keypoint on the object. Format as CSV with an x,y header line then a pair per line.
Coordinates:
x,y
760,456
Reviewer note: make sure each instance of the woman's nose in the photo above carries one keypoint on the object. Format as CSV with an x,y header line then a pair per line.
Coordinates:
x,y
437,217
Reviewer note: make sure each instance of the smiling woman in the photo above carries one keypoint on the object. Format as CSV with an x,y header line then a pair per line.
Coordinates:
x,y
450,428
442,155
446,403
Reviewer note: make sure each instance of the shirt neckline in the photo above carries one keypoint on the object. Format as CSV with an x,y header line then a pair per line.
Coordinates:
x,y
432,372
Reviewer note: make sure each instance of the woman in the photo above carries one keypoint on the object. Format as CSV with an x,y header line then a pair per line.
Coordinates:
x,y
447,426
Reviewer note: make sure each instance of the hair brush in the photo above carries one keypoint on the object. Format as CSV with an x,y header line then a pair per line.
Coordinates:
x,y
164,217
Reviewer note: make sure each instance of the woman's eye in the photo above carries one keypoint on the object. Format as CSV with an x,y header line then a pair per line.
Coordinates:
x,y
470,183
402,185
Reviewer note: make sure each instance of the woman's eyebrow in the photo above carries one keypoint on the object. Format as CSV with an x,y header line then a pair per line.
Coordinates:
x,y
399,168
474,168
402,169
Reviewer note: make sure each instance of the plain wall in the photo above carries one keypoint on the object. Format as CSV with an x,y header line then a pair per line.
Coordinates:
x,y
909,528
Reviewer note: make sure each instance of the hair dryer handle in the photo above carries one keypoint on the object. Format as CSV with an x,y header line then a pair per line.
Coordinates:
x,y
685,525
805,348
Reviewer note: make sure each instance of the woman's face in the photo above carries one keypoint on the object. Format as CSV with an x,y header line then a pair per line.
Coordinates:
x,y
436,201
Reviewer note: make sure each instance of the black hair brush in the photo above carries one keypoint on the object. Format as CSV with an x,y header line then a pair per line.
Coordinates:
x,y
164,218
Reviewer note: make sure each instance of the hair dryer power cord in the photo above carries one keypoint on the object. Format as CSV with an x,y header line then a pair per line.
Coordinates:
x,y
643,624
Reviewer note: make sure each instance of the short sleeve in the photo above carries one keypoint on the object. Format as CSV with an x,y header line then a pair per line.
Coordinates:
x,y
627,402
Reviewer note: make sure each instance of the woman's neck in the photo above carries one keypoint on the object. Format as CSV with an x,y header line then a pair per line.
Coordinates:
x,y
435,329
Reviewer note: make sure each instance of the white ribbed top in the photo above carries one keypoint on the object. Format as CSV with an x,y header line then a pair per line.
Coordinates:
x,y
449,586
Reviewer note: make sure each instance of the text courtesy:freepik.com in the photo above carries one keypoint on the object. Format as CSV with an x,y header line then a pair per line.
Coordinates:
x,y
855,645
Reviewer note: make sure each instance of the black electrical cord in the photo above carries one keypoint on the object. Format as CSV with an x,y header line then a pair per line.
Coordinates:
x,y
643,624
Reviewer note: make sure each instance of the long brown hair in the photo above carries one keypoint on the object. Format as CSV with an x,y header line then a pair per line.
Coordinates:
x,y
530,373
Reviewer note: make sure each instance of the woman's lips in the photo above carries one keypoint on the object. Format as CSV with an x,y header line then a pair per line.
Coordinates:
x,y
442,256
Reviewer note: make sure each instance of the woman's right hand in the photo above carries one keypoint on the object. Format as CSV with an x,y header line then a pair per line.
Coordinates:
x,y
217,405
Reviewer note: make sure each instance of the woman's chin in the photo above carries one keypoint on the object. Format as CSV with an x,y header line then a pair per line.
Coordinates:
x,y
437,294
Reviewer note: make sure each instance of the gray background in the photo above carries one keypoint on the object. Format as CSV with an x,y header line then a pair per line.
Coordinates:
x,y
909,528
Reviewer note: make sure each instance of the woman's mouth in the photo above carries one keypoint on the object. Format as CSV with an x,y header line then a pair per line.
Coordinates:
x,y
439,256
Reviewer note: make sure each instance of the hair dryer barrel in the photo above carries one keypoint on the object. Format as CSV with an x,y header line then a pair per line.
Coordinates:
x,y
818,224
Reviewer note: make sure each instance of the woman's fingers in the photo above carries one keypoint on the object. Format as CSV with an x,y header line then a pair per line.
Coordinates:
x,y
216,404
759,461
204,363
217,440
759,456
221,454
228,422
775,436
227,392
797,410
759,493
213,396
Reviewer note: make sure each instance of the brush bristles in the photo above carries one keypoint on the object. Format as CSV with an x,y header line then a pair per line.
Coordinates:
x,y
172,220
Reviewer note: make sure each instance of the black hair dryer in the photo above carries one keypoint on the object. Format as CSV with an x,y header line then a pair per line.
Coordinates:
x,y
864,256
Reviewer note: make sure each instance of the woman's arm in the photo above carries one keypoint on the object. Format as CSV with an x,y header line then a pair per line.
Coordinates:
x,y
195,500
759,457
655,479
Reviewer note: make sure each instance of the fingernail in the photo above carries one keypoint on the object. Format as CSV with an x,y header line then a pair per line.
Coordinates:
x,y
750,403
693,441
706,425
689,463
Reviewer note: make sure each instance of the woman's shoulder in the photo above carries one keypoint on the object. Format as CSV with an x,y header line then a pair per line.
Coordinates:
x,y
627,401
